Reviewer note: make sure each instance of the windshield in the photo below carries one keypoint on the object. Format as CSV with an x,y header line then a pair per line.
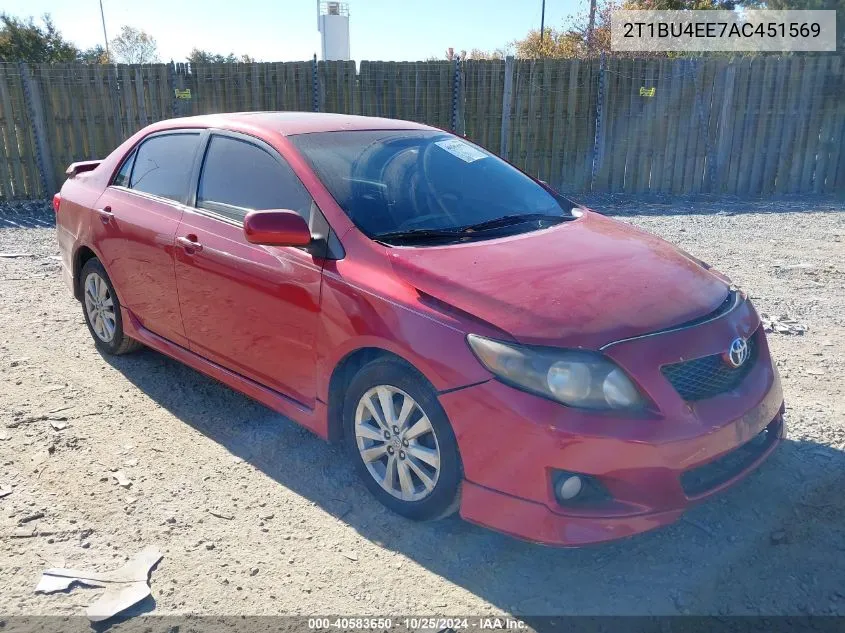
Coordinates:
x,y
416,182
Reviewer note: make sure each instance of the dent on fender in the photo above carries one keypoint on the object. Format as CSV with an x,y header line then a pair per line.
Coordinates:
x,y
352,320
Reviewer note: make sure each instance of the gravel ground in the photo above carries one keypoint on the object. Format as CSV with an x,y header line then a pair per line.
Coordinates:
x,y
294,532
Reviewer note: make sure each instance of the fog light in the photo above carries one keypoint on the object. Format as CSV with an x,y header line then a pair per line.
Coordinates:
x,y
568,488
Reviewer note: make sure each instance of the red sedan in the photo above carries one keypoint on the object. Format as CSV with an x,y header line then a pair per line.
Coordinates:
x,y
478,342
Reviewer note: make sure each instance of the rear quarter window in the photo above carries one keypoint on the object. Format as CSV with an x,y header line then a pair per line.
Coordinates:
x,y
122,177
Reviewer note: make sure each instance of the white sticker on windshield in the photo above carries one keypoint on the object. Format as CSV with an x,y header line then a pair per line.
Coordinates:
x,y
464,151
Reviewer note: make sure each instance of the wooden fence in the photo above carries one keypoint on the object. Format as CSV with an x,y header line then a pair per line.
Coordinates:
x,y
750,127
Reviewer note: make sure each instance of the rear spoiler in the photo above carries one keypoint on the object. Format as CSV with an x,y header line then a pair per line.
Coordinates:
x,y
81,167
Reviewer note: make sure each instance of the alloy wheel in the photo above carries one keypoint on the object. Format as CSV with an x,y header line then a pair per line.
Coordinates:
x,y
99,306
397,443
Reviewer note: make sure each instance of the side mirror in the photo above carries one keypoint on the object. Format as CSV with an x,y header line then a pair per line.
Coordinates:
x,y
276,228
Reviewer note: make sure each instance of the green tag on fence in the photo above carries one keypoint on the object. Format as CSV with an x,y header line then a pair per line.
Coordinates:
x,y
644,92
182,94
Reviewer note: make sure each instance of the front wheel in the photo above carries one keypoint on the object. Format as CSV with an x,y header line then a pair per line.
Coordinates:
x,y
401,442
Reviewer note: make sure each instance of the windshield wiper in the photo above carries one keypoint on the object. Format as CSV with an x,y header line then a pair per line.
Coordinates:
x,y
512,220
420,234
470,229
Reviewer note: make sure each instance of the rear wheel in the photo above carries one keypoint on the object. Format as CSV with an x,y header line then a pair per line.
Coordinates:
x,y
101,309
401,442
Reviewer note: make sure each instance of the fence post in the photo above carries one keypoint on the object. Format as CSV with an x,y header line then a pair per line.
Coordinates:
x,y
507,102
175,82
598,151
456,94
315,86
113,81
171,86
43,155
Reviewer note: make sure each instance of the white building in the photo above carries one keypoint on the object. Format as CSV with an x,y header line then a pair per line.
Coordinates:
x,y
333,24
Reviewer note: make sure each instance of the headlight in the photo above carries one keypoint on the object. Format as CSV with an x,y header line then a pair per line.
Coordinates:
x,y
586,380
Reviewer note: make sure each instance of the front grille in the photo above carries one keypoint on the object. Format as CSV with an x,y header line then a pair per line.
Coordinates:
x,y
698,481
708,376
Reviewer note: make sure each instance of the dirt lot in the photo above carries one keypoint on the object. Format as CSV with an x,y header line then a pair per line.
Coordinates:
x,y
302,536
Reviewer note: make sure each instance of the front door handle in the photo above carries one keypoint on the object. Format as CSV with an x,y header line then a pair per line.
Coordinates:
x,y
189,244
105,214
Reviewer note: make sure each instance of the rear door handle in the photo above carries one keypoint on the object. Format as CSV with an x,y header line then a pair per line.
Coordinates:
x,y
189,244
105,214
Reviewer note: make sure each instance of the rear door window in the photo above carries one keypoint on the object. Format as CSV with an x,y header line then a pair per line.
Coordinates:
x,y
163,165
239,176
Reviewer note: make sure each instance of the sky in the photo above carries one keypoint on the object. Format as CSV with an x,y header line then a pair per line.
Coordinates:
x,y
286,30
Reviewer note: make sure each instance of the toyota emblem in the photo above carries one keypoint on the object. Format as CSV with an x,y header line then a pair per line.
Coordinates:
x,y
737,353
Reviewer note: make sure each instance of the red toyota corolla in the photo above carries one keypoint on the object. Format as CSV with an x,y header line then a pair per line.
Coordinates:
x,y
479,343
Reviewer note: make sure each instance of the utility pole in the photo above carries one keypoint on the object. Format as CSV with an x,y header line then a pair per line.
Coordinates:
x,y
591,26
542,20
105,37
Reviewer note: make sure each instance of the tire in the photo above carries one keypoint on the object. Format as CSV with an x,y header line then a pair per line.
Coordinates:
x,y
107,330
440,496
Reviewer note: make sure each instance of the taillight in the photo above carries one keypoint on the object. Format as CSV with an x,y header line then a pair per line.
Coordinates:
x,y
57,200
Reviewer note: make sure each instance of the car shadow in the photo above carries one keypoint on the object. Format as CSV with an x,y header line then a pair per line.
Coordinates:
x,y
739,553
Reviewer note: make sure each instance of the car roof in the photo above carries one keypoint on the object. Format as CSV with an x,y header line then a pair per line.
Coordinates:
x,y
290,123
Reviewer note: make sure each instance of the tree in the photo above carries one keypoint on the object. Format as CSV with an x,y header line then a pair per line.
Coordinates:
x,y
134,46
555,44
682,5
780,5
25,41
94,55
475,53
198,56
587,34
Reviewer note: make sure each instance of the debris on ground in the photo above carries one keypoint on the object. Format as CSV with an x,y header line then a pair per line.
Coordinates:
x,y
122,479
58,425
35,418
124,587
31,517
782,325
221,515
15,255
4,435
5,491
778,537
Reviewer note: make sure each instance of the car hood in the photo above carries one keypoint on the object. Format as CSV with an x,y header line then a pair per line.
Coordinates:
x,y
582,283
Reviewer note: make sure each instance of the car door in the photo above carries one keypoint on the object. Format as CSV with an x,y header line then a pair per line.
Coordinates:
x,y
135,228
252,309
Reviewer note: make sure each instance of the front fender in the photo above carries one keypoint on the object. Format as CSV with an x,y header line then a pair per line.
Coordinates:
x,y
354,320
